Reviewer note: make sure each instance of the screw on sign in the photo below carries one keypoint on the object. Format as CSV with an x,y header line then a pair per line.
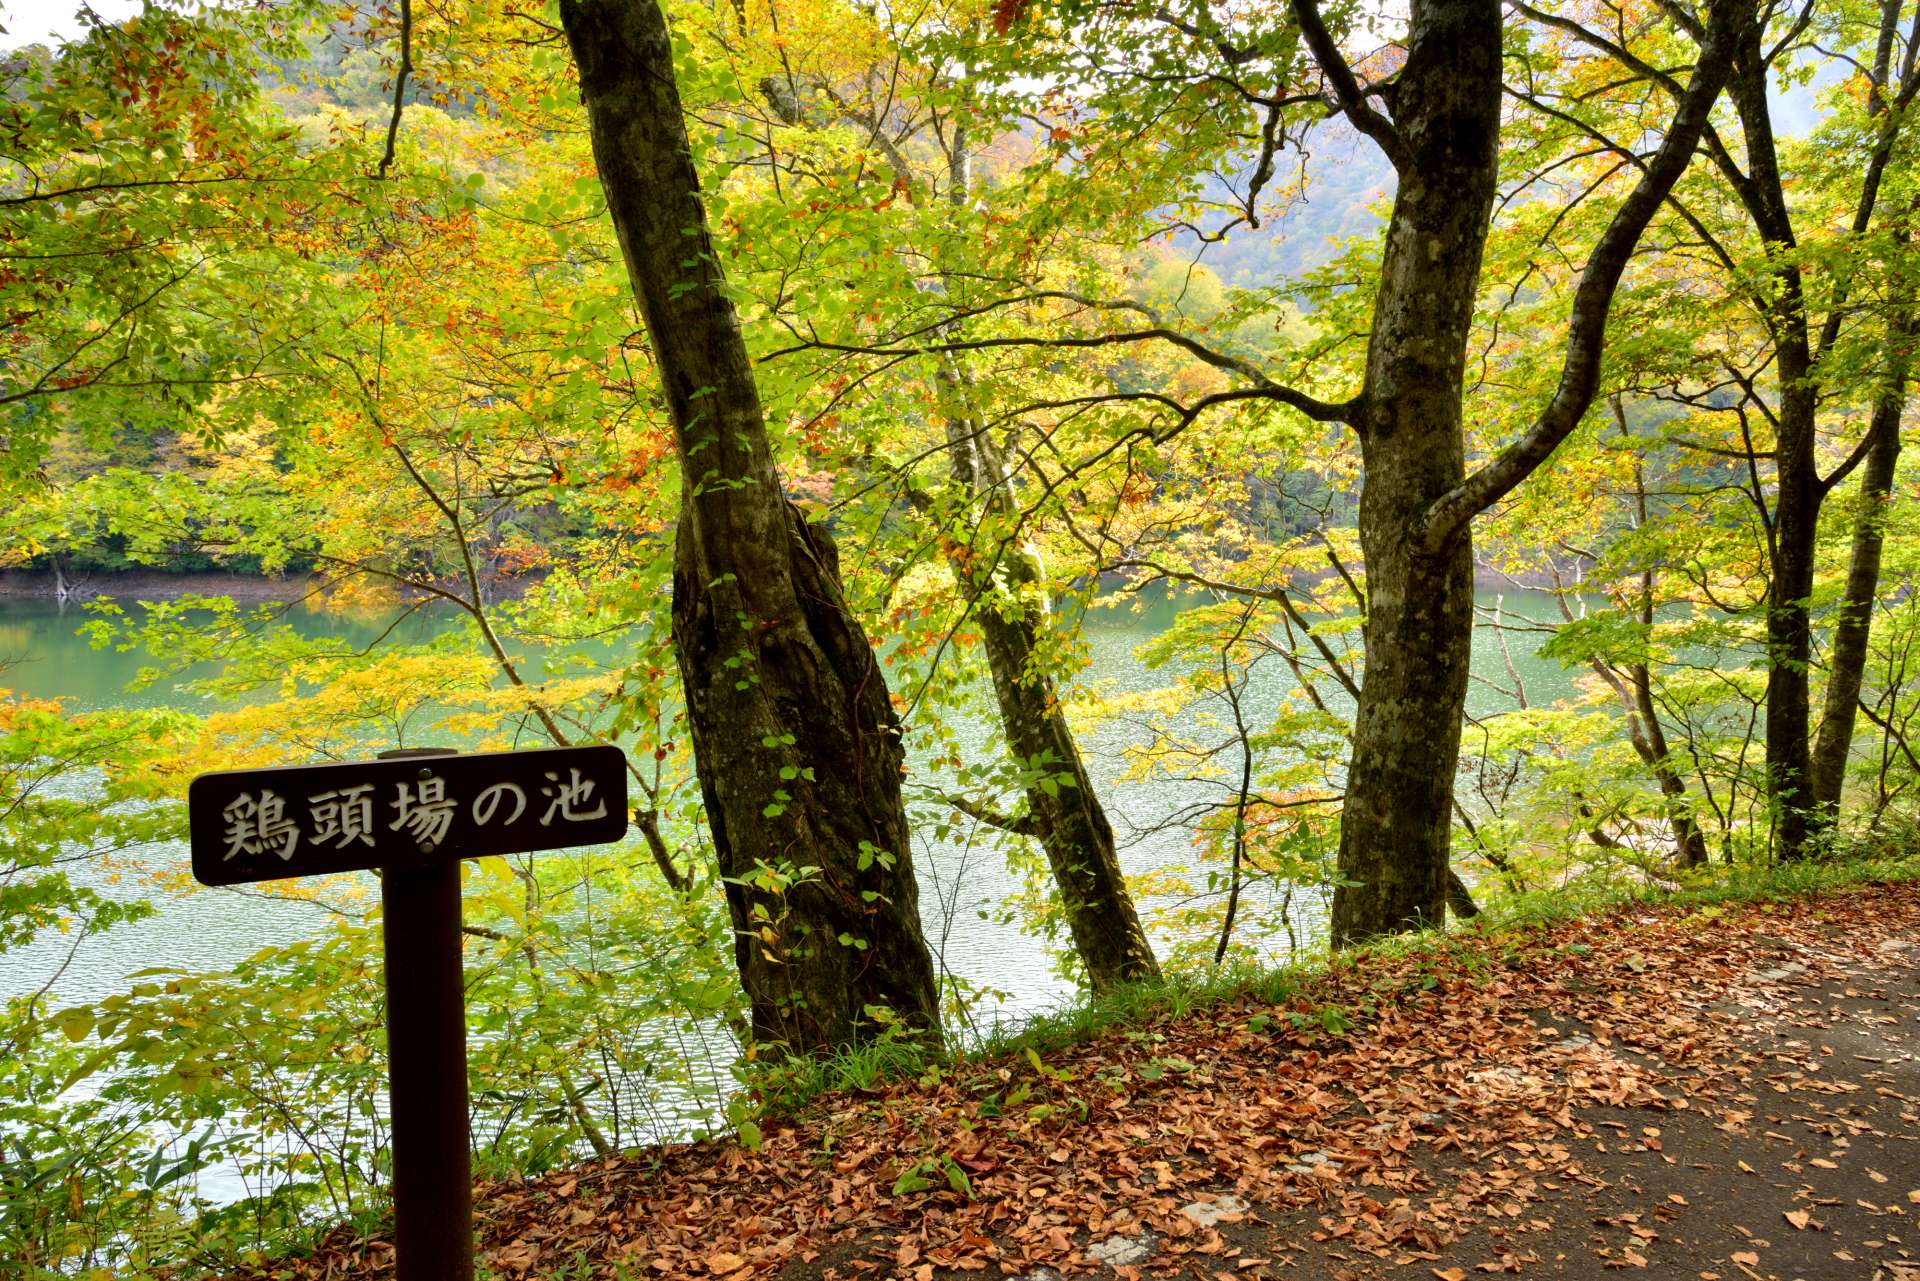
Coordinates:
x,y
413,815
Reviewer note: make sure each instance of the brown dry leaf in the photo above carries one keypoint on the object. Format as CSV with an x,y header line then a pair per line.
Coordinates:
x,y
1799,1219
1446,1069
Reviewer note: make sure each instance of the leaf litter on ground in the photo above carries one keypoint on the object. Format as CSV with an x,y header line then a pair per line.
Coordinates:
x,y
1483,1080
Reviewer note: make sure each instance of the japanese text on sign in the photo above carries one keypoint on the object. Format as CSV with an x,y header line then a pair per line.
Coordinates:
x,y
304,820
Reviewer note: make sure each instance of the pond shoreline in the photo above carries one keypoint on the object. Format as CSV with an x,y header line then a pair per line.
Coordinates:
x,y
160,585
156,585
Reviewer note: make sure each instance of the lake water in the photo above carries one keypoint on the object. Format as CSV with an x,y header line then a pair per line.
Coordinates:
x,y
211,929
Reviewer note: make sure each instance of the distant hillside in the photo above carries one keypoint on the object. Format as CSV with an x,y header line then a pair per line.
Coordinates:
x,y
1346,180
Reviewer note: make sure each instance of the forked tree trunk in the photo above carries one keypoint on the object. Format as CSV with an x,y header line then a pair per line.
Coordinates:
x,y
1793,786
794,735
1396,826
1852,629
1418,503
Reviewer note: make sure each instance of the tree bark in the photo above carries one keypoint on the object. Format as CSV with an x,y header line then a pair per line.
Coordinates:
x,y
1008,597
1418,503
1460,898
1395,829
795,739
1853,627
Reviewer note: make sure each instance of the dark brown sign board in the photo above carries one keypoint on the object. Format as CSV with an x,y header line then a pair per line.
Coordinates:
x,y
414,815
311,820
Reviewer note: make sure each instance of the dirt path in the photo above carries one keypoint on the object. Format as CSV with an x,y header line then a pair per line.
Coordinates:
x,y
1710,1094
1797,1155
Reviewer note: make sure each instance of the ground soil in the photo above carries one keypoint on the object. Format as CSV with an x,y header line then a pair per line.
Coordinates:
x,y
1728,1093
1797,1156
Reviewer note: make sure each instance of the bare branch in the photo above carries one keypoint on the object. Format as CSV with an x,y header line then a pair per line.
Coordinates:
x,y
1593,297
1347,93
399,85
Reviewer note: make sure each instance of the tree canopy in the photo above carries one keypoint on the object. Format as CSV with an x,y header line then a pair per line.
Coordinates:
x,y
786,390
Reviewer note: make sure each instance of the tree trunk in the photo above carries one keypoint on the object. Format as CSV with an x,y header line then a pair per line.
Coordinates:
x,y
1649,739
1796,521
1644,731
1007,592
1396,826
1417,505
1854,624
794,735
1460,898
1798,491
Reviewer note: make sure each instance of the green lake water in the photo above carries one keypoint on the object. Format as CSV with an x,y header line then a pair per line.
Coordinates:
x,y
207,929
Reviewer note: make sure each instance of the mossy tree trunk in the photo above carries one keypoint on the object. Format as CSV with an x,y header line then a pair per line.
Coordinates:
x,y
794,735
1005,585
1006,588
1396,827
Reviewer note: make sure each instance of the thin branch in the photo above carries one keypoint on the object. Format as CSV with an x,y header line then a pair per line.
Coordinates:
x,y
1348,96
1593,298
399,85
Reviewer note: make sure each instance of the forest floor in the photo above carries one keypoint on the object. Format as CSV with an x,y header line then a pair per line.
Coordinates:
x,y
1710,1092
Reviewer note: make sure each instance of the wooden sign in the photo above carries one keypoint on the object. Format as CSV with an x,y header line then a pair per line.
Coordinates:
x,y
414,814
310,820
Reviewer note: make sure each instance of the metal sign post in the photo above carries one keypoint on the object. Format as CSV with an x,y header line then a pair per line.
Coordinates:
x,y
413,814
